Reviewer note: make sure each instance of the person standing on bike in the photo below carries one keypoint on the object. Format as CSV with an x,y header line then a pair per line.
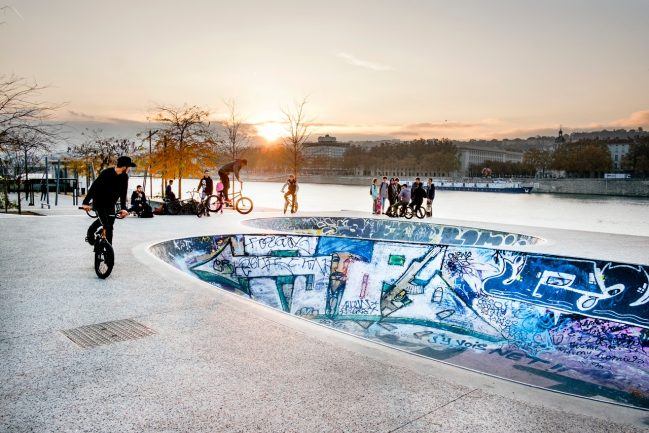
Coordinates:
x,y
224,173
205,187
291,184
110,185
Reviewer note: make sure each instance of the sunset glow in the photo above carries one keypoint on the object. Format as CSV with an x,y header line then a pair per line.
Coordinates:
x,y
459,70
271,131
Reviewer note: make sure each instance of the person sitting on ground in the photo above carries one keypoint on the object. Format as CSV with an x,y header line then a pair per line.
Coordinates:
x,y
224,173
169,194
293,188
205,187
139,203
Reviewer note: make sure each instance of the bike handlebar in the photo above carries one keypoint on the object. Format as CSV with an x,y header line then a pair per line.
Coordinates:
x,y
95,214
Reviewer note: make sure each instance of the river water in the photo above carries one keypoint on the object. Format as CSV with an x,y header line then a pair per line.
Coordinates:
x,y
621,215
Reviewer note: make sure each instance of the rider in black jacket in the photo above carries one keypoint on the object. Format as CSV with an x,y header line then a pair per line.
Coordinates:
x,y
110,185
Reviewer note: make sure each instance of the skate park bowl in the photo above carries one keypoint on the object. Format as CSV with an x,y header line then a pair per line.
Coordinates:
x,y
565,324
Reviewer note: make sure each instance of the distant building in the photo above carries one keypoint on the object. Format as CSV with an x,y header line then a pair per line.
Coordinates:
x,y
326,146
327,139
478,155
609,135
618,151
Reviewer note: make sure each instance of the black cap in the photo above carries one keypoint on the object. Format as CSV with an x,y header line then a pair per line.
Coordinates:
x,y
125,161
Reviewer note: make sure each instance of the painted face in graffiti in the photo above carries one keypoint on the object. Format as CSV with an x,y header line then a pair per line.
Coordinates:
x,y
339,265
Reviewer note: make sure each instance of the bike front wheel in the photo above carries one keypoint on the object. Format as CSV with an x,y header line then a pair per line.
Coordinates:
x,y
213,203
244,205
420,213
104,259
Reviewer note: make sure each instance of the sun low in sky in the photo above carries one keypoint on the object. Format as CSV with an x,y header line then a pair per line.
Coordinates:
x,y
271,131
370,69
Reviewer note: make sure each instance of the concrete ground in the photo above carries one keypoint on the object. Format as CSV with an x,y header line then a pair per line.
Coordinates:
x,y
221,363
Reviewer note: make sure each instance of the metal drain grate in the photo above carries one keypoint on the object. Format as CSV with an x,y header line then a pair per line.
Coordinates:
x,y
107,333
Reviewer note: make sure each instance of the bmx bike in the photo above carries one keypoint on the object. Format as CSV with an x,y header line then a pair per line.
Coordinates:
x,y
242,204
187,206
103,250
290,202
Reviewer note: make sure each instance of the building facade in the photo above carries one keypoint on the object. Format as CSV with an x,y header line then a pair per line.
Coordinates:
x,y
326,146
478,155
618,151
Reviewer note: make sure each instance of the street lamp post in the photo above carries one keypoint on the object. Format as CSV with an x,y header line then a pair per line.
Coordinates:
x,y
151,133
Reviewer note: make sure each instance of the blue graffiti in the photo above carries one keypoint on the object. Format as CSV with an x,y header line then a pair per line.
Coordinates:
x,y
606,290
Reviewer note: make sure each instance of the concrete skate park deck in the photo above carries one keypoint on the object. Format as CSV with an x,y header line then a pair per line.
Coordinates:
x,y
218,362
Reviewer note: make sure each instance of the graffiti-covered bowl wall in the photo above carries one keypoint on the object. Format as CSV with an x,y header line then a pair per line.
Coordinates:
x,y
394,230
565,324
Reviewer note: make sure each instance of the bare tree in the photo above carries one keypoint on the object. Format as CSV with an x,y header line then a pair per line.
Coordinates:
x,y
188,130
299,130
26,125
98,152
237,132
22,111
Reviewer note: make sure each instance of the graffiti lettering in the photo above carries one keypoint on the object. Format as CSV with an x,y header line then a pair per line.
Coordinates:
x,y
360,306
263,266
264,244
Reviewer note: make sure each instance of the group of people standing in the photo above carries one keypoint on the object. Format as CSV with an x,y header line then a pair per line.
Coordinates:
x,y
395,192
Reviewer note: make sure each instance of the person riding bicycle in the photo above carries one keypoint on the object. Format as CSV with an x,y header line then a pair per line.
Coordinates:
x,y
293,188
205,187
224,172
404,196
110,185
418,196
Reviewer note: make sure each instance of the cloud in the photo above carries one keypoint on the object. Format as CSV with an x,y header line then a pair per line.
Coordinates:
x,y
353,60
442,125
81,115
448,129
636,119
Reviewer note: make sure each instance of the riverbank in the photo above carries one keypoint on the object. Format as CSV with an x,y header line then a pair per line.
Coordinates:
x,y
608,187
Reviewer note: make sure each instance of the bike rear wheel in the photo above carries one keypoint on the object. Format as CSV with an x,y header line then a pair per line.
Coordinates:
x,y
104,259
294,208
244,205
173,208
200,210
213,203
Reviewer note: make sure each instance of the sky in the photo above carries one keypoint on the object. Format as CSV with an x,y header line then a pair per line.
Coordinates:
x,y
370,69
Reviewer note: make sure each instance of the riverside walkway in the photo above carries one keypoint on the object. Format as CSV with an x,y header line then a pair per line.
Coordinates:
x,y
215,362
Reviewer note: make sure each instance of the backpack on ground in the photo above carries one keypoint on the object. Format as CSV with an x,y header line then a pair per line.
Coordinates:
x,y
146,212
